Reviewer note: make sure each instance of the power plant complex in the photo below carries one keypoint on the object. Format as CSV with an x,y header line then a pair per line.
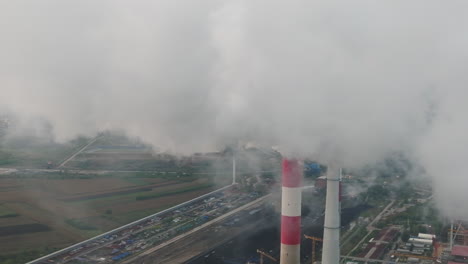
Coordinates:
x,y
135,242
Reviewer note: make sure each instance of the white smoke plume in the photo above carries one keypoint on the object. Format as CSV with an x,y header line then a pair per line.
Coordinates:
x,y
337,81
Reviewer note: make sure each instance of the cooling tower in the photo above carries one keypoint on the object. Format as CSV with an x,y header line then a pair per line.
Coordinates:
x,y
291,211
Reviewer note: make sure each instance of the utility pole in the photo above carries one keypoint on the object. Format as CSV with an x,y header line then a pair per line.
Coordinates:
x,y
233,170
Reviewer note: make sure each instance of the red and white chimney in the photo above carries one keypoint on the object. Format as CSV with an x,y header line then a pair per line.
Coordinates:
x,y
291,211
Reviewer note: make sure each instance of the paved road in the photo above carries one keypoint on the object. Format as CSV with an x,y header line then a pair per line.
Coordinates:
x,y
379,216
366,259
370,227
78,152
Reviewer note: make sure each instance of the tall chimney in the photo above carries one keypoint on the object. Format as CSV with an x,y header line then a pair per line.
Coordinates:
x,y
331,232
291,211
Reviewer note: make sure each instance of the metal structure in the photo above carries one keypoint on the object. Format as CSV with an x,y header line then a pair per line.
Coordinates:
x,y
458,235
266,255
314,239
451,235
291,211
331,232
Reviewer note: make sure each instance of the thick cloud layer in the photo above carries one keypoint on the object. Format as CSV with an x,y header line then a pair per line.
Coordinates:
x,y
345,82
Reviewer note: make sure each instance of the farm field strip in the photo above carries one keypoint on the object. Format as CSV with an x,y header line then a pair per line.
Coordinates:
x,y
6,212
123,188
43,216
22,229
118,191
160,191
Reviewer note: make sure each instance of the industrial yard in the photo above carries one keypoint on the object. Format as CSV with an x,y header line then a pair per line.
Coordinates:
x,y
144,236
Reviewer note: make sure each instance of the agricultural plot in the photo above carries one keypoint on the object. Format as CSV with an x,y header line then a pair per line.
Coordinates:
x,y
6,212
55,212
35,152
22,229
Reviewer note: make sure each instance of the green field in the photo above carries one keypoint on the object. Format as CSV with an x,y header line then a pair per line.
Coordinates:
x,y
35,153
7,212
174,192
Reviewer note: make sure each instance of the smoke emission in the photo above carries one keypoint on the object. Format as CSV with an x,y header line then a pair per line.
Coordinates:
x,y
343,82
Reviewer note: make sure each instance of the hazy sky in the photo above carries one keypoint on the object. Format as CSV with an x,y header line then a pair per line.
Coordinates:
x,y
339,81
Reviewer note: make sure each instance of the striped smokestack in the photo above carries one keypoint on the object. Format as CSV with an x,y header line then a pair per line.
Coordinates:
x,y
291,211
331,232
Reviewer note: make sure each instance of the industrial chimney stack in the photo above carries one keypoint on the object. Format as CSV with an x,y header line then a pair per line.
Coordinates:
x,y
331,232
291,211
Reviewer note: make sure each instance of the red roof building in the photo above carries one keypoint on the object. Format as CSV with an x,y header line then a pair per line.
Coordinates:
x,y
459,254
461,251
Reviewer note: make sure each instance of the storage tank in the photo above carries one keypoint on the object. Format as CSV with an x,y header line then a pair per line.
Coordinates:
x,y
426,236
420,241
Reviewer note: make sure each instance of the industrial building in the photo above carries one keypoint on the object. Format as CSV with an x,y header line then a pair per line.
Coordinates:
x,y
321,182
459,233
459,254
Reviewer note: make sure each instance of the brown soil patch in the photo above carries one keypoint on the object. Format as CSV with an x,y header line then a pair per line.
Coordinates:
x,y
125,200
79,186
157,203
19,243
116,155
117,191
18,220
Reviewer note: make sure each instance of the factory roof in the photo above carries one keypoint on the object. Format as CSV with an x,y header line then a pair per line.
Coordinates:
x,y
458,250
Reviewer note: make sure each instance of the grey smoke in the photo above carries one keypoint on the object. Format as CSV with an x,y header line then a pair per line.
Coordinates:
x,y
345,82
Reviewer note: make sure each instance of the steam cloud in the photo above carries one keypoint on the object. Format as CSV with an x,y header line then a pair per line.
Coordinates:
x,y
345,82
